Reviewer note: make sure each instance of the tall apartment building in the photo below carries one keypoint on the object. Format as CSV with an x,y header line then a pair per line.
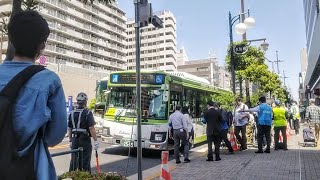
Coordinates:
x,y
85,36
87,41
312,20
158,46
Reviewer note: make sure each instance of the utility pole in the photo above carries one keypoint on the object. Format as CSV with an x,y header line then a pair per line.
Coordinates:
x,y
277,62
284,78
244,36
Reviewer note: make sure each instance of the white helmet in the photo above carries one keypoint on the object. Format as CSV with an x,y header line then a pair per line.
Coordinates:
x,y
82,97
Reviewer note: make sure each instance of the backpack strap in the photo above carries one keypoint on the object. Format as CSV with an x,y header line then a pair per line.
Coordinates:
x,y
13,87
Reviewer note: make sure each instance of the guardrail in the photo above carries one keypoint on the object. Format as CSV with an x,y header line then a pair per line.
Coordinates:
x,y
76,157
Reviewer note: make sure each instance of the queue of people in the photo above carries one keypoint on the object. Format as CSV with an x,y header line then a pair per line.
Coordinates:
x,y
218,126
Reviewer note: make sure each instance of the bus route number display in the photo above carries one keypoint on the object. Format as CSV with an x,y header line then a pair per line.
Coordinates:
x,y
153,79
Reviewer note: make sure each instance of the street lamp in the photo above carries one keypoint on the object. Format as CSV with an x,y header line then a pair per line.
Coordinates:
x,y
240,29
264,46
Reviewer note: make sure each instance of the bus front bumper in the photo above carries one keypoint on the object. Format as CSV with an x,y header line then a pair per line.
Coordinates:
x,y
126,142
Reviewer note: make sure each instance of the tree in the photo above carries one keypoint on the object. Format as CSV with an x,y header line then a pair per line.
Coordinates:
x,y
253,56
226,99
32,4
92,104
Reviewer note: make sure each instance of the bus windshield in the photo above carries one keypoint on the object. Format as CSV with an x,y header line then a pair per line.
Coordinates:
x,y
152,104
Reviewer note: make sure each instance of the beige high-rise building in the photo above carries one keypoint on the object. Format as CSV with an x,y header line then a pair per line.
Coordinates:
x,y
86,40
158,46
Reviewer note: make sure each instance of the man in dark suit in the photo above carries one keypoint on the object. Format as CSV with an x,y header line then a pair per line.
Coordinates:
x,y
213,120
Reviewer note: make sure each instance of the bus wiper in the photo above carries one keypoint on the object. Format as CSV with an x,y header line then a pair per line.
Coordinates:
x,y
117,116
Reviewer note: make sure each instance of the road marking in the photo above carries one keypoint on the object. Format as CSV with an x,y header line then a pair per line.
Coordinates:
x,y
59,147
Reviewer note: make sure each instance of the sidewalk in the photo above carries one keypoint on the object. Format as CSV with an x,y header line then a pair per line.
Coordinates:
x,y
296,163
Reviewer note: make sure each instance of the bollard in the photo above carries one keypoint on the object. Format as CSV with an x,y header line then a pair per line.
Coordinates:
x,y
165,173
81,158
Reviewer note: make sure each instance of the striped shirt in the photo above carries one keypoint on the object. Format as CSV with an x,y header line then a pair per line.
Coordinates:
x,y
313,113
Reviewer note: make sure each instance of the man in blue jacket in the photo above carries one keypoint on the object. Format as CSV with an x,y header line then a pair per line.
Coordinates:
x,y
225,128
41,105
264,123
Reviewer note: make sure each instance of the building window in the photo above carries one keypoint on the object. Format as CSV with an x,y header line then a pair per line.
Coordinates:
x,y
202,69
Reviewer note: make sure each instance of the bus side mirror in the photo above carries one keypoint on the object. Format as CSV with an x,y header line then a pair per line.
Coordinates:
x,y
165,96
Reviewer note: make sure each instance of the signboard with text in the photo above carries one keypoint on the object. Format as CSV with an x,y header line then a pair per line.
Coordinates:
x,y
240,48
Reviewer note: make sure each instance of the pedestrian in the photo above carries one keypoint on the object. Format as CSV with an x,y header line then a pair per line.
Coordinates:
x,y
213,120
225,128
186,113
80,130
302,112
313,116
178,122
241,120
295,116
280,116
40,118
264,123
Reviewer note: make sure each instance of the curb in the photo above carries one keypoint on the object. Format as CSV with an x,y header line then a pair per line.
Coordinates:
x,y
155,172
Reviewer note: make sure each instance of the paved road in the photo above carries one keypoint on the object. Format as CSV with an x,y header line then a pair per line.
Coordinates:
x,y
112,159
297,163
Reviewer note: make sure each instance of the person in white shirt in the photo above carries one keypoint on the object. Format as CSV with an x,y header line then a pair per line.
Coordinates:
x,y
188,118
241,120
178,123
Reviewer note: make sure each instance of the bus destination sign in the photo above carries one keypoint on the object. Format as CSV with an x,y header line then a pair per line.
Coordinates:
x,y
153,79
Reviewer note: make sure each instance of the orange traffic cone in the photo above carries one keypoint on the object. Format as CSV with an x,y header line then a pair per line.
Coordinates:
x,y
233,142
288,132
280,137
165,174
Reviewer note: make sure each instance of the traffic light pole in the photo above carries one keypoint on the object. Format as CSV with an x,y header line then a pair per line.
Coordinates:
x,y
138,89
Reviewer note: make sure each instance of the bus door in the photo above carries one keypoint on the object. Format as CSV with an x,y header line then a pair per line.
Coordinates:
x,y
176,96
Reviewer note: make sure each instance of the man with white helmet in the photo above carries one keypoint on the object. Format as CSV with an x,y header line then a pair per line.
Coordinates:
x,y
280,116
80,130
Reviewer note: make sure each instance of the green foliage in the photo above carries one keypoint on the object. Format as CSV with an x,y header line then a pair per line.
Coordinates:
x,y
226,99
251,66
81,175
243,61
92,104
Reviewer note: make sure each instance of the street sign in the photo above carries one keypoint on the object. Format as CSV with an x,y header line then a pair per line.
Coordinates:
x,y
42,60
240,48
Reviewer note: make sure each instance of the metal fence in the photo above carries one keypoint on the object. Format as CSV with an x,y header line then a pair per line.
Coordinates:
x,y
76,160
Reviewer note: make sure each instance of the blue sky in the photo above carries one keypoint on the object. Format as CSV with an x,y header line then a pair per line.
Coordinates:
x,y
202,26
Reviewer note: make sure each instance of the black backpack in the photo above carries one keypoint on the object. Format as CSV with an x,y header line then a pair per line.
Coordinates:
x,y
13,167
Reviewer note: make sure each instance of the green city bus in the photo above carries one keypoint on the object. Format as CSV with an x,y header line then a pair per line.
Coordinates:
x,y
161,92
